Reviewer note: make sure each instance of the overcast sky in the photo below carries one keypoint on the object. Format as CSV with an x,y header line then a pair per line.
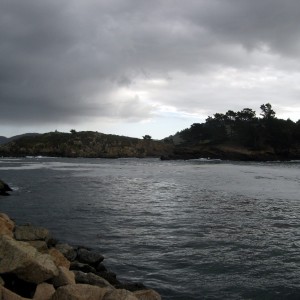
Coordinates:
x,y
136,67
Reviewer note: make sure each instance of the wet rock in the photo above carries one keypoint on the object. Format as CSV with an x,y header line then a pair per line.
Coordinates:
x,y
25,261
92,279
89,256
6,225
110,277
31,233
77,266
51,242
119,295
44,291
64,277
131,286
59,258
79,292
4,188
68,251
147,295
100,268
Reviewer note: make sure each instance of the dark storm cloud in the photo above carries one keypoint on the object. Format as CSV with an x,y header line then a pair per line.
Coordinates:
x,y
64,60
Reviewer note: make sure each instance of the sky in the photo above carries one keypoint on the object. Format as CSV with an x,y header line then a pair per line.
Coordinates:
x,y
137,67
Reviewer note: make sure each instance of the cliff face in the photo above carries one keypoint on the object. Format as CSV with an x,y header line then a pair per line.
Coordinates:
x,y
85,144
234,152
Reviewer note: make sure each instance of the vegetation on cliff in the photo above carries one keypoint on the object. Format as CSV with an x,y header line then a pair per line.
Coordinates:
x,y
241,135
84,144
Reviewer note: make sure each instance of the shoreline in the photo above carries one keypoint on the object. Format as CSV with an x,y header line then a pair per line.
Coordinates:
x,y
34,265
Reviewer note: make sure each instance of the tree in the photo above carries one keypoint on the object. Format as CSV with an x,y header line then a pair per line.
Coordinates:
x,y
231,115
267,111
247,114
73,131
147,137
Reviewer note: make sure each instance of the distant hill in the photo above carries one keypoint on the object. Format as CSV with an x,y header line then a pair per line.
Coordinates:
x,y
4,140
84,144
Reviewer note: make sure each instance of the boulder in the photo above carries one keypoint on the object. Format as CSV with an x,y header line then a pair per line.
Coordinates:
x,y
4,188
131,286
41,246
92,279
31,233
44,291
89,256
147,295
68,251
119,295
64,277
25,261
111,277
79,292
6,225
77,266
100,267
59,258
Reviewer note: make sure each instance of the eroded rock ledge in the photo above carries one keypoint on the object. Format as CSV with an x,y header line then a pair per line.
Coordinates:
x,y
33,265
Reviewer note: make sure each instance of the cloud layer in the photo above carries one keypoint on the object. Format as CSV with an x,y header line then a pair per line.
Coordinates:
x,y
64,62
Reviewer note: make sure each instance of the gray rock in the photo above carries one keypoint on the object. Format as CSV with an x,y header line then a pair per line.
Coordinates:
x,y
4,188
44,291
41,246
79,292
31,233
64,277
89,256
131,286
68,251
147,295
6,225
77,266
100,268
25,261
119,295
111,277
92,279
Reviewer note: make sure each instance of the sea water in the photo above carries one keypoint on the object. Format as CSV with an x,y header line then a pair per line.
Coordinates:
x,y
196,229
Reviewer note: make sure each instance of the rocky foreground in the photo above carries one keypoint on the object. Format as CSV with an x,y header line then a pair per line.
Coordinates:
x,y
33,265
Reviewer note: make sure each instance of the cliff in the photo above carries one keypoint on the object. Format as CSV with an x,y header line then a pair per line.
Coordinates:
x,y
233,152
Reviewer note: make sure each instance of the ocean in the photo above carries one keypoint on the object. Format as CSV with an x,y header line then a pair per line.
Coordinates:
x,y
198,229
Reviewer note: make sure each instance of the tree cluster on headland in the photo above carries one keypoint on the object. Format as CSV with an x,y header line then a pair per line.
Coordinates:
x,y
241,135
232,135
246,129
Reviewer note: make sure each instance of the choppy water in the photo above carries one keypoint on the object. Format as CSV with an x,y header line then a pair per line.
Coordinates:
x,y
189,229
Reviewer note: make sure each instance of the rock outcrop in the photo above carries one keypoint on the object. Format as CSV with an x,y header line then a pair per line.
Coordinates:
x,y
4,188
32,267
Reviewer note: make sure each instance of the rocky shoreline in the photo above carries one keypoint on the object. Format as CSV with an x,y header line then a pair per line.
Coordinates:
x,y
34,265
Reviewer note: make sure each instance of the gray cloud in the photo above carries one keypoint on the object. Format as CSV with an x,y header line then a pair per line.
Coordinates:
x,y
63,61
